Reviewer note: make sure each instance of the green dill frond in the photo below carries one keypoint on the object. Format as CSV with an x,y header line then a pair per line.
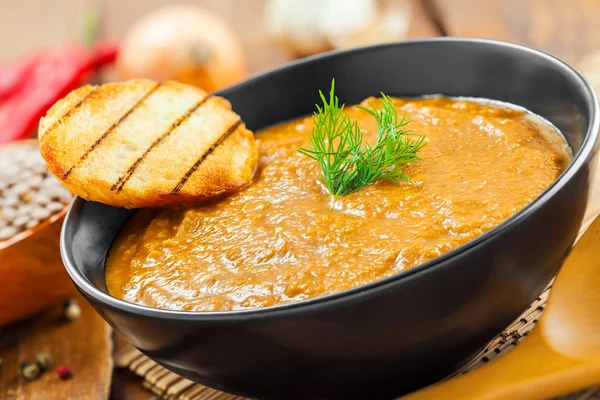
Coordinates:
x,y
347,164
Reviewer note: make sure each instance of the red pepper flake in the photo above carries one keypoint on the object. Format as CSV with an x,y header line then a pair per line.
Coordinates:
x,y
64,372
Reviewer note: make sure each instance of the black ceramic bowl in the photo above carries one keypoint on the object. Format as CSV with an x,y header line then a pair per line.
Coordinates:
x,y
400,333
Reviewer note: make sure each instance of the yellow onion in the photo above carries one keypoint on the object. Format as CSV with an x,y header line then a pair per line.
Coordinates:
x,y
184,43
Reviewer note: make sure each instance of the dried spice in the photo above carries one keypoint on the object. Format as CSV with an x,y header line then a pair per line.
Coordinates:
x,y
72,310
64,372
30,371
44,361
29,195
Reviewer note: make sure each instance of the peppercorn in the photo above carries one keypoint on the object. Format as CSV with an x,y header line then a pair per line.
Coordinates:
x,y
64,372
72,310
44,361
30,371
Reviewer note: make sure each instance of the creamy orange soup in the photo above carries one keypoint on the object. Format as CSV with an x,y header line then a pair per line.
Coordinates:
x,y
284,239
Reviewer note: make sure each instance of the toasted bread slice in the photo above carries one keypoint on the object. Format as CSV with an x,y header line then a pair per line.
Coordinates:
x,y
141,143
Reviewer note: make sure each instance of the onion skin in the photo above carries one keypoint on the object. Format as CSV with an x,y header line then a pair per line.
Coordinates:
x,y
183,43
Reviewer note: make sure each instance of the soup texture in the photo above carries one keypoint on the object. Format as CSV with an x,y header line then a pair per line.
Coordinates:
x,y
284,239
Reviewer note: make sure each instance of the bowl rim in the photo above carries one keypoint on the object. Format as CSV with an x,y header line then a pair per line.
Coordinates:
x,y
306,306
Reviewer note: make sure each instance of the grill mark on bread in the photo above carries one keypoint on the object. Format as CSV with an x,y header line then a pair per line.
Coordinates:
x,y
118,186
111,129
212,148
70,111
144,135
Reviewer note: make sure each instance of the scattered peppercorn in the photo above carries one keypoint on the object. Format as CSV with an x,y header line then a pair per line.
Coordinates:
x,y
72,310
64,372
30,371
44,361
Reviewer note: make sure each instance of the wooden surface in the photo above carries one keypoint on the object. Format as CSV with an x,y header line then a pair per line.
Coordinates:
x,y
85,345
568,29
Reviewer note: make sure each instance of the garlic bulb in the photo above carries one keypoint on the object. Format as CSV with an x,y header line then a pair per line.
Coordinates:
x,y
312,26
391,25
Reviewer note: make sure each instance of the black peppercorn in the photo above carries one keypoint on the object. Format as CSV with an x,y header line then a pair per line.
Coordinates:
x,y
44,361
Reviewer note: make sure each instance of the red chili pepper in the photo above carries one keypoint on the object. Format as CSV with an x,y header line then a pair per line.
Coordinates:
x,y
104,53
13,76
52,77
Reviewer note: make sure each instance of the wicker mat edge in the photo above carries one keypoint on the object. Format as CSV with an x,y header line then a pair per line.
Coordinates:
x,y
169,386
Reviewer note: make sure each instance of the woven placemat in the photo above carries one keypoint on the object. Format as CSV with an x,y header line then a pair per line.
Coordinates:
x,y
169,386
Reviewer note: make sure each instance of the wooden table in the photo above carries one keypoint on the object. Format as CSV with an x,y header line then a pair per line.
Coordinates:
x,y
567,29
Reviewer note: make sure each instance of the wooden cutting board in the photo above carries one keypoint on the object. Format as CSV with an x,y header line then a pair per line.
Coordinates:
x,y
85,345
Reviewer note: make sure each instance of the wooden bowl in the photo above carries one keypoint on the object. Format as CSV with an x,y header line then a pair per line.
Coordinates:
x,y
33,276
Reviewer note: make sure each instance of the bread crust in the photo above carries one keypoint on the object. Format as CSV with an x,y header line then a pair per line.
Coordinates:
x,y
141,143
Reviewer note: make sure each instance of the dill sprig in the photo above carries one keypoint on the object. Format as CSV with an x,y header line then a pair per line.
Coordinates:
x,y
348,165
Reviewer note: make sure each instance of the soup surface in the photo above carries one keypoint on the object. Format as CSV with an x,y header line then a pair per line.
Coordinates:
x,y
283,238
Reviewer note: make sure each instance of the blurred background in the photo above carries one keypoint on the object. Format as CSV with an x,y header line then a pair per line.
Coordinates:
x,y
49,47
215,43
565,28
31,25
